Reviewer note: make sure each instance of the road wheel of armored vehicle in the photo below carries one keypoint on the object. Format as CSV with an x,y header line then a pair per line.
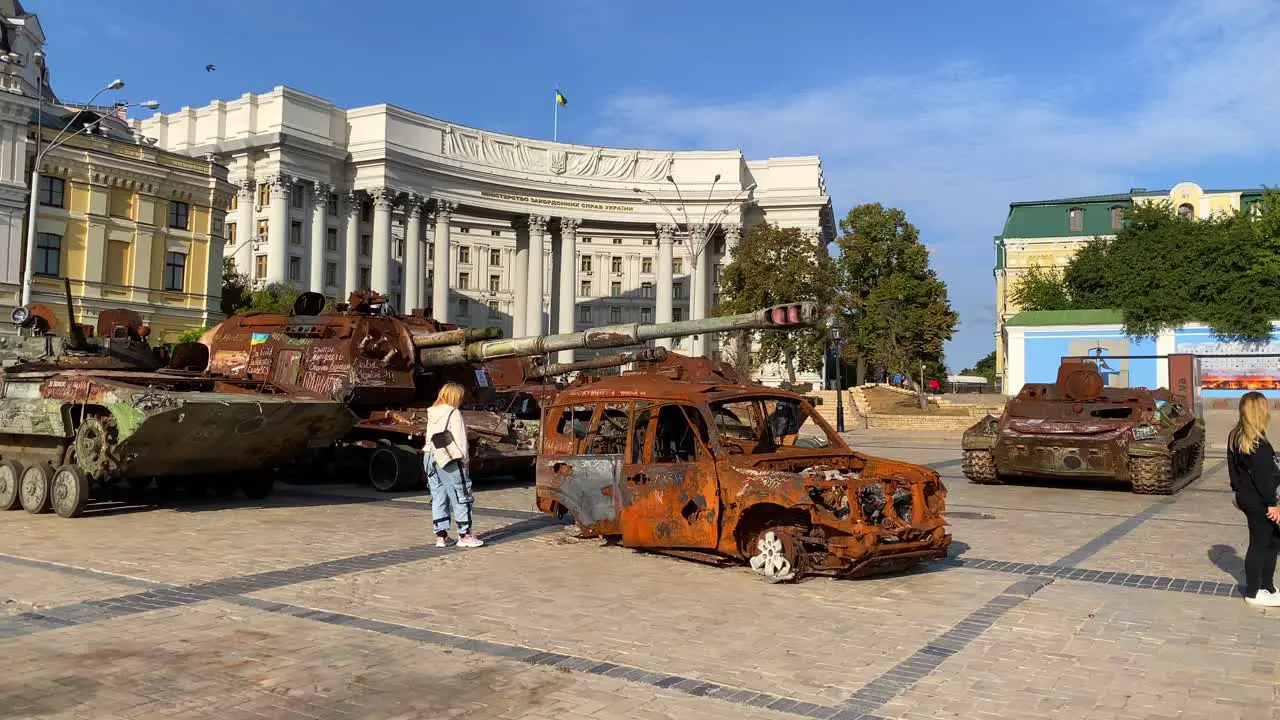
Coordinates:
x,y
35,488
10,480
394,468
95,439
257,486
69,491
980,467
1151,475
776,555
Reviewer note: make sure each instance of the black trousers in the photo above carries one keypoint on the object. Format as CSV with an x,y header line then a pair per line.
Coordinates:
x,y
1260,560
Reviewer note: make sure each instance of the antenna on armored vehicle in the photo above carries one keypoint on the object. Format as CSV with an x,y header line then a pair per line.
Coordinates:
x,y
76,334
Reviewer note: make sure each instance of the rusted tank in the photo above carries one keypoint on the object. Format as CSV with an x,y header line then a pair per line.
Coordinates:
x,y
388,369
82,409
1078,429
683,457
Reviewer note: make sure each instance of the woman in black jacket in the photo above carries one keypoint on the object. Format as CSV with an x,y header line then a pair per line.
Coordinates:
x,y
1254,478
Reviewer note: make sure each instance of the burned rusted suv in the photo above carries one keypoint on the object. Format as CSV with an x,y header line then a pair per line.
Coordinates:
x,y
684,458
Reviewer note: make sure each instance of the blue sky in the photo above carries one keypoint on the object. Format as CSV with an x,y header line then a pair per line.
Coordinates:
x,y
947,110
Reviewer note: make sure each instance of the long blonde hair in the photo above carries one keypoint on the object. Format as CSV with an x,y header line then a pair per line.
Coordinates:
x,y
451,394
1255,416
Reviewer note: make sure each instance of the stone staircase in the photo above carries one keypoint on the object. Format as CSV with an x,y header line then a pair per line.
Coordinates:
x,y
885,407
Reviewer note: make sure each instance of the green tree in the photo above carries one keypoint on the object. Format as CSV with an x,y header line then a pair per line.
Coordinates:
x,y
986,367
1040,289
235,288
893,307
191,335
275,298
772,266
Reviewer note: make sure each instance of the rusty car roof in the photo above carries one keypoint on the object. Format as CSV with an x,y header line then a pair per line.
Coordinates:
x,y
641,386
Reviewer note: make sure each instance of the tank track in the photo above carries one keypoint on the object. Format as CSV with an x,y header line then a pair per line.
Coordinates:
x,y
1154,475
980,467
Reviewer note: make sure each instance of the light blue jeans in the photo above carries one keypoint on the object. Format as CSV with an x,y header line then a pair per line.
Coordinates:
x,y
450,487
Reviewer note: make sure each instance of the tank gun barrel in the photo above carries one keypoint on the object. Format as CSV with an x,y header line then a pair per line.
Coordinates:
x,y
613,336
656,354
460,336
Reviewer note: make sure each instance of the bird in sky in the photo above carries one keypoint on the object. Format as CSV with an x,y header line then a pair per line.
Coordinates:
x,y
210,67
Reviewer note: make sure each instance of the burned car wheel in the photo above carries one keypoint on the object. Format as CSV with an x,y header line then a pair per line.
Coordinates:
x,y
980,467
776,555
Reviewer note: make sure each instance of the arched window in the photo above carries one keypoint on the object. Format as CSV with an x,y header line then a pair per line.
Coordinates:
x,y
1117,218
1186,211
1077,219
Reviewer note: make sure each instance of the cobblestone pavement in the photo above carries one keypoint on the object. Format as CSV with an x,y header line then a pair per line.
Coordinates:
x,y
330,602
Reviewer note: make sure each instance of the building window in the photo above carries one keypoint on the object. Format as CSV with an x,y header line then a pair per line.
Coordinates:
x,y
584,288
331,273
262,230
366,245
617,241
1117,218
231,234
1076,216
331,239
646,289
493,307
259,266
677,266
495,258
399,277
464,230
295,195
1186,211
584,314
615,264
431,276
495,283
53,192
431,250
464,307
365,282
295,233
295,269
234,204
464,281
495,233
648,241
331,204
366,210
586,240
175,270
585,265
718,247
716,270
179,215
48,254
615,314
397,249
646,315
677,291
677,314
615,289
464,254
646,266
264,194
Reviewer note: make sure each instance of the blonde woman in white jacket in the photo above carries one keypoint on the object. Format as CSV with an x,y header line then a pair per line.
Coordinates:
x,y
446,461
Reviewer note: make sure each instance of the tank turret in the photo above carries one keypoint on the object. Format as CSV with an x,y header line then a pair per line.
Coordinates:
x,y
117,342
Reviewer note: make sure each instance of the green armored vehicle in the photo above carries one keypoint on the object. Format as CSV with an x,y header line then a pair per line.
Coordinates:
x,y
78,412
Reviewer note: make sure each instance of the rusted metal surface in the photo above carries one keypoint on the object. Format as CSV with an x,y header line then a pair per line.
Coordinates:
x,y
388,368
1077,428
607,361
683,456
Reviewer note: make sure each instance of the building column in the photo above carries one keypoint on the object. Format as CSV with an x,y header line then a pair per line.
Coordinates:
x,y
441,278
662,288
380,273
534,323
520,282
351,245
733,236
701,277
278,229
246,228
568,281
319,225
413,270
213,268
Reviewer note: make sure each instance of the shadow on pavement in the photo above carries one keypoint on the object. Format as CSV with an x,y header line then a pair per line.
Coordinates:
x,y
1228,561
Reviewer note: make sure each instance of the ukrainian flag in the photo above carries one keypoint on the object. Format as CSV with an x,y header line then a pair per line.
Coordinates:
x,y
560,100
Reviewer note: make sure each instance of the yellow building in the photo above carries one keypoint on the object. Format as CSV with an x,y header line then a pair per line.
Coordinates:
x,y
1047,233
132,227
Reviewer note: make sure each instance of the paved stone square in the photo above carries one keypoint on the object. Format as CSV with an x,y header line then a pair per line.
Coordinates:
x,y
331,602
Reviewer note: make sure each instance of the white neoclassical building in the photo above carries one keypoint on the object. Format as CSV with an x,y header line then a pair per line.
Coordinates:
x,y
481,228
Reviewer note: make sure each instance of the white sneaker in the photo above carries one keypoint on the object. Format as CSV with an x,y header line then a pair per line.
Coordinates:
x,y
471,541
442,541
1264,598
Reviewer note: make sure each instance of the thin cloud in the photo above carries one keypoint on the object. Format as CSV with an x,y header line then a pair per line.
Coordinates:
x,y
954,146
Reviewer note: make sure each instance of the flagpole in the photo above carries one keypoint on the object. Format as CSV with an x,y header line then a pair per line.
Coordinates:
x,y
555,122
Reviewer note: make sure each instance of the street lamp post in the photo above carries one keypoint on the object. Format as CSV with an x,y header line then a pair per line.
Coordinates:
x,y
58,140
834,327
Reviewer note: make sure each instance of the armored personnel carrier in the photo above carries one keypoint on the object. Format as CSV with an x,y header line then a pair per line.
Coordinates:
x,y
388,369
1078,429
81,409
683,457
